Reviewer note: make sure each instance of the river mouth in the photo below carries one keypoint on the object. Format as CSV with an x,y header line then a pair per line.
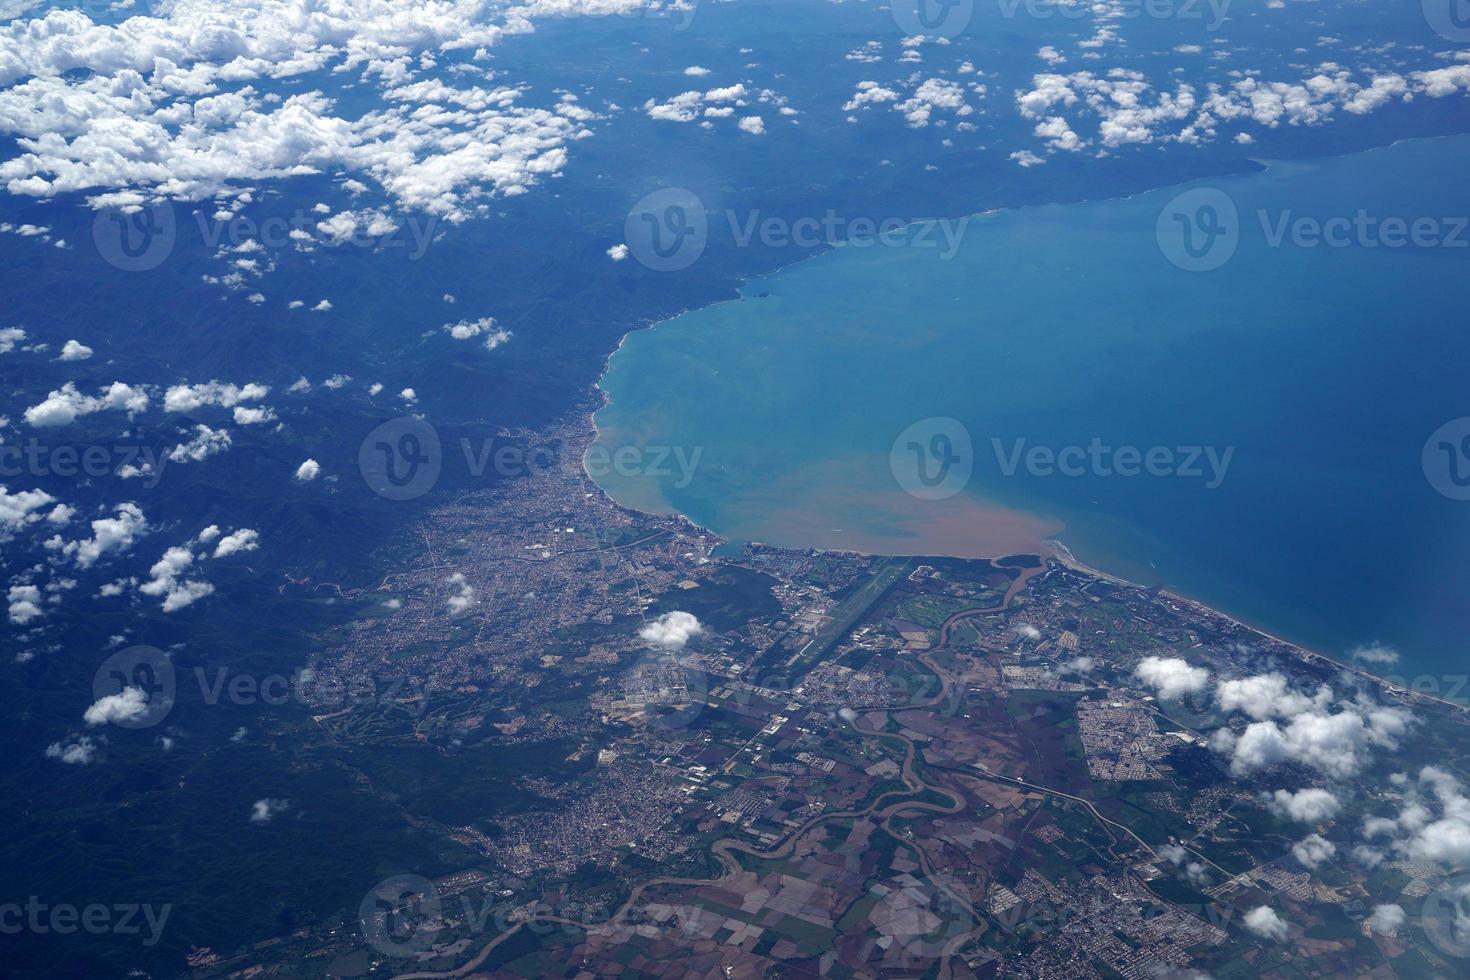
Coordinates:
x,y
1247,431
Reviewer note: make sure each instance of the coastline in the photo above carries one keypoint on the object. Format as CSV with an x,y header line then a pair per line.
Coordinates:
x,y
1055,549
1397,686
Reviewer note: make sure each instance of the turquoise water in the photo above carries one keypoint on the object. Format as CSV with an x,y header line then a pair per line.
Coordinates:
x,y
1321,370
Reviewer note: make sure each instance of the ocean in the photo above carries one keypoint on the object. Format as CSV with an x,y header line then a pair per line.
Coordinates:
x,y
1245,389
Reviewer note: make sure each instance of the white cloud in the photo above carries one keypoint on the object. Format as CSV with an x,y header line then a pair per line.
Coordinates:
x,y
130,704
74,351
9,337
1267,696
464,598
173,105
20,509
1171,677
1374,653
244,415
164,581
207,442
308,471
190,398
1386,919
25,603
109,534
618,252
1264,922
1336,744
486,327
1313,850
672,630
65,405
237,542
76,751
1311,805
754,125
264,811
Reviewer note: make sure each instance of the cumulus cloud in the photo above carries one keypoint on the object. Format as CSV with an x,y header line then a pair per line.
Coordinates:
x,y
308,471
1264,922
129,704
206,442
264,811
672,630
74,351
20,509
1374,653
66,404
164,580
1313,850
191,398
618,252
1338,744
1129,109
253,415
1311,805
25,604
464,598
109,534
74,751
1267,696
1386,919
1171,677
237,542
96,108
487,327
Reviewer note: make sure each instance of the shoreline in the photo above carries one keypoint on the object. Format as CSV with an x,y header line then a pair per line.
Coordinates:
x,y
1399,687
1056,549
